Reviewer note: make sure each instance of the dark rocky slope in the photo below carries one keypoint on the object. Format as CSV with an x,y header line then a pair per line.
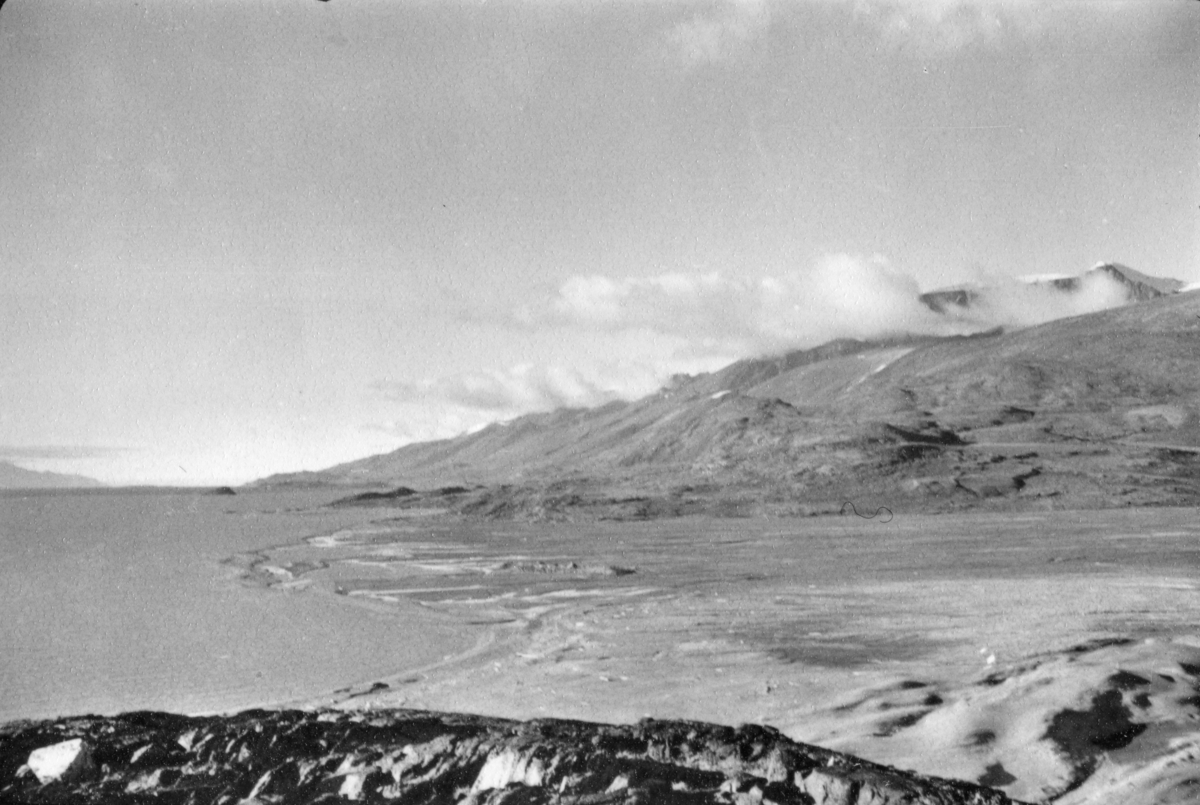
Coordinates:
x,y
409,756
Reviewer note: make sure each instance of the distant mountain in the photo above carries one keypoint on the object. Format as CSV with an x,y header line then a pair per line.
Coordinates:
x,y
1097,410
1138,287
14,477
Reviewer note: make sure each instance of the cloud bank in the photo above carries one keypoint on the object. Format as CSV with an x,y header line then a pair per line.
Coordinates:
x,y
521,388
441,407
842,297
714,319
1013,304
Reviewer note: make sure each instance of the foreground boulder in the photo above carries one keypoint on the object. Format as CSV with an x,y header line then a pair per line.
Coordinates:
x,y
412,756
66,761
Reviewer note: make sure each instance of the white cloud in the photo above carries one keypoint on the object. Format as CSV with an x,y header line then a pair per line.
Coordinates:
x,y
446,406
506,392
941,26
711,320
1013,304
843,296
722,35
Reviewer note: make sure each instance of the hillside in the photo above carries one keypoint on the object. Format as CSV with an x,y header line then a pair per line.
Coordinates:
x,y
1096,410
14,477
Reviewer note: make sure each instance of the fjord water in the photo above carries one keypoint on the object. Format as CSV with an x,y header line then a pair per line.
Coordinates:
x,y
118,600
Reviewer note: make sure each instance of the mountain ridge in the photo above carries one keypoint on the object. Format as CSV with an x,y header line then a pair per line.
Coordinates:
x,y
14,477
926,423
1136,287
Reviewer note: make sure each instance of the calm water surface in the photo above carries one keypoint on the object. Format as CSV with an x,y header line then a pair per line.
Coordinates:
x,y
116,600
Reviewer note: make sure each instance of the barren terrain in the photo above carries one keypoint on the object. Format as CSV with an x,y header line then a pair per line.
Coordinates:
x,y
1051,655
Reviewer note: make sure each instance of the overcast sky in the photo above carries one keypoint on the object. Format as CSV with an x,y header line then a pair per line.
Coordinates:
x,y
245,236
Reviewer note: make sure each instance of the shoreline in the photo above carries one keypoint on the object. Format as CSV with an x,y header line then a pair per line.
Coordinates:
x,y
940,644
621,649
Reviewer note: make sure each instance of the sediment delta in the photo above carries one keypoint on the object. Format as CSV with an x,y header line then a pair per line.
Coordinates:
x,y
1054,661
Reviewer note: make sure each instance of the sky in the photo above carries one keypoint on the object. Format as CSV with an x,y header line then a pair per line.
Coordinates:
x,y
241,237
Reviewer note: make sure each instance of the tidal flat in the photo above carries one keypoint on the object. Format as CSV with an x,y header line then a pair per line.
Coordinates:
x,y
946,644
979,646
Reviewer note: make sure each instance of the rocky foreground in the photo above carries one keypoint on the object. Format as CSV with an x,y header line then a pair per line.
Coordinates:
x,y
414,756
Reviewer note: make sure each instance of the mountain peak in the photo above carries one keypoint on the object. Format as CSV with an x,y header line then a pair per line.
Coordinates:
x,y
1138,287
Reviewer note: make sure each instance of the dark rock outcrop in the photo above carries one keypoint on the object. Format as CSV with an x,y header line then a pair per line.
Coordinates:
x,y
413,756
943,300
399,493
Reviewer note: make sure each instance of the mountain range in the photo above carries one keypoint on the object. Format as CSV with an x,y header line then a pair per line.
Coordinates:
x,y
1095,410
